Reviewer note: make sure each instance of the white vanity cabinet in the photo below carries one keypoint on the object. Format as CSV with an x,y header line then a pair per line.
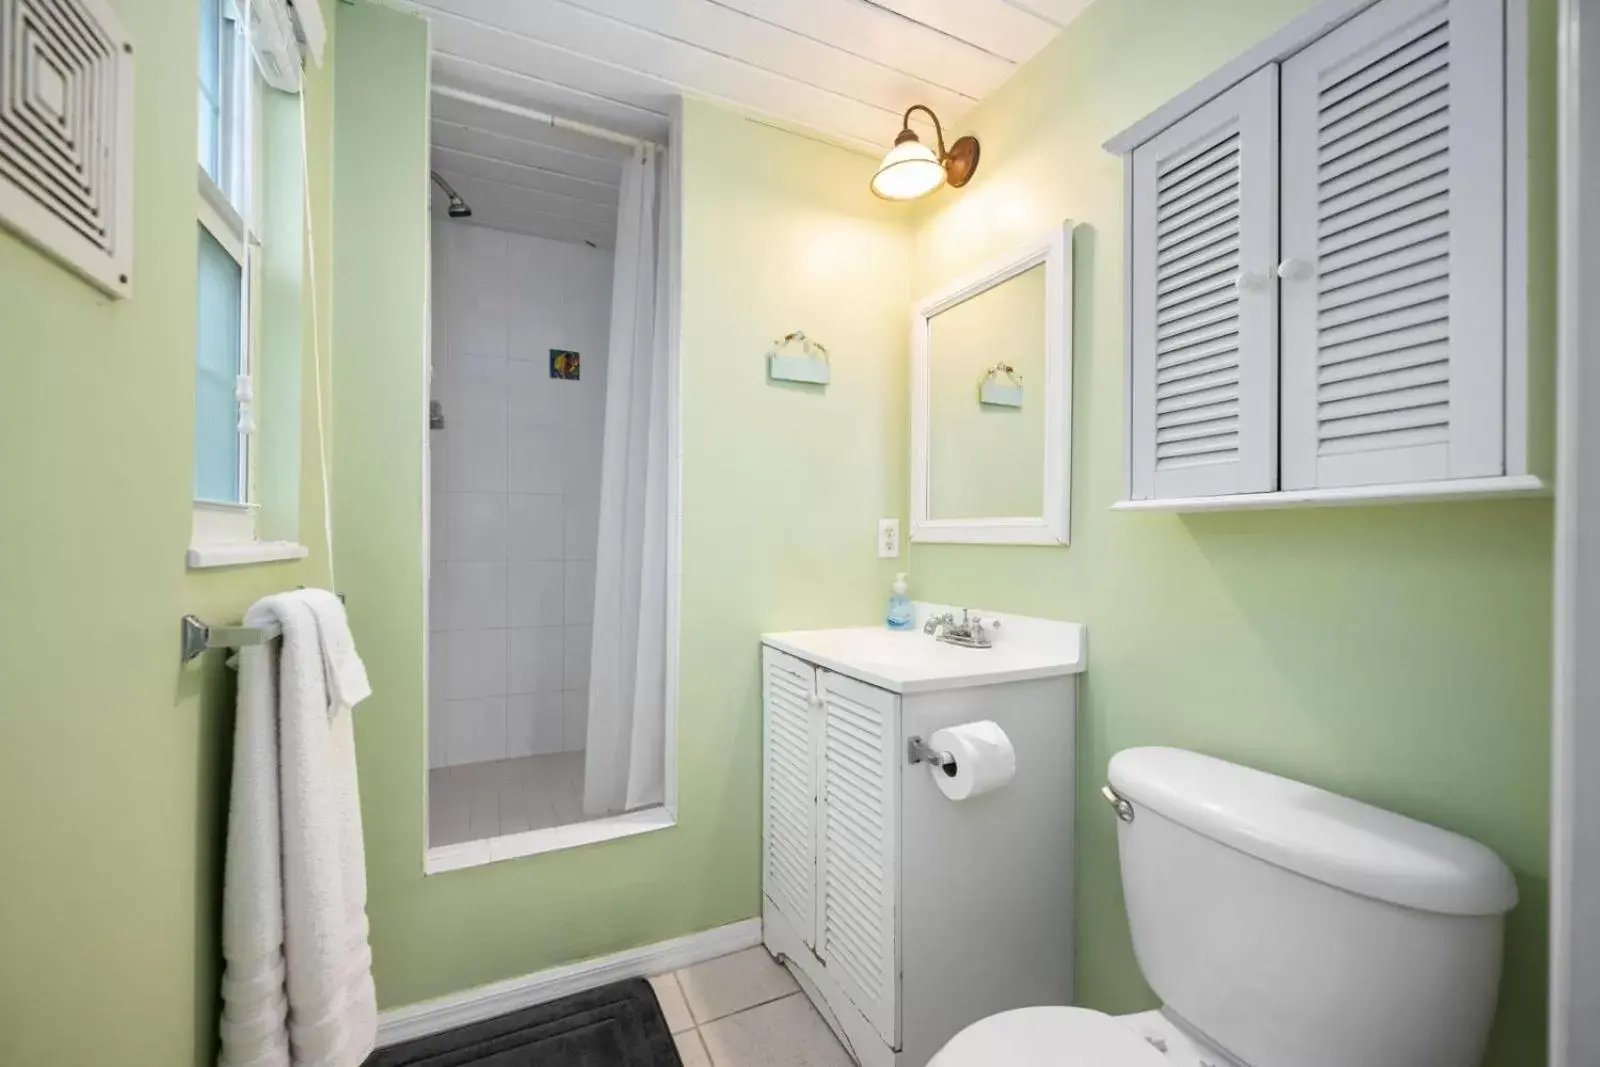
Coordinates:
x,y
904,915
831,824
1327,265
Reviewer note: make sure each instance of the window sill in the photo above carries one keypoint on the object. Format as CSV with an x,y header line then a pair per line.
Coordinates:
x,y
553,839
202,557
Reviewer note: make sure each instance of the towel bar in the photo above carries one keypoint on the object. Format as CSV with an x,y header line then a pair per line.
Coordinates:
x,y
197,637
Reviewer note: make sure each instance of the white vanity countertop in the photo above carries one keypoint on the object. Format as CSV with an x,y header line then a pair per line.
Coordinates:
x,y
909,661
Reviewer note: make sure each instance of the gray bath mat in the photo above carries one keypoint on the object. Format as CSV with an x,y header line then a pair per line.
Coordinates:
x,y
618,1025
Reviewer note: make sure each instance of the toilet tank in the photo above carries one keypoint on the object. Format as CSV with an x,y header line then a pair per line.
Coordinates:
x,y
1292,927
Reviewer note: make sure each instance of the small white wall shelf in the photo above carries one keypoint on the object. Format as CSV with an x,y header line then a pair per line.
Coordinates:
x,y
1521,485
993,392
797,358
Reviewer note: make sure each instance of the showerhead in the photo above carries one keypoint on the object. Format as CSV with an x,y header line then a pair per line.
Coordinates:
x,y
457,208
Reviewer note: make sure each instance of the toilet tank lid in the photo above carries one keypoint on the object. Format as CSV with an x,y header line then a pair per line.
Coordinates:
x,y
1321,835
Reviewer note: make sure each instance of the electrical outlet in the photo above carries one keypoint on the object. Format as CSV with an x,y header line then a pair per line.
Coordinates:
x,y
888,538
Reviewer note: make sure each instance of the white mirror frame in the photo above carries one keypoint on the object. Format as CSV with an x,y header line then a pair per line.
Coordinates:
x,y
1054,250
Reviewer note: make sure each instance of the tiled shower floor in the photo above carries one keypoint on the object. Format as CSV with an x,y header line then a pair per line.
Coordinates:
x,y
474,801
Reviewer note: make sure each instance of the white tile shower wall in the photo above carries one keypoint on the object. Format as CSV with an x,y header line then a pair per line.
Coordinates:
x,y
514,492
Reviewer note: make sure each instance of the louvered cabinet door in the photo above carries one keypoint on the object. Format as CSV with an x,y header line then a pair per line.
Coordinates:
x,y
1393,248
859,851
1205,318
793,713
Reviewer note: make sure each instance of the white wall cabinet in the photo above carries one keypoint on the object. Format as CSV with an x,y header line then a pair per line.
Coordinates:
x,y
1205,342
1326,278
904,915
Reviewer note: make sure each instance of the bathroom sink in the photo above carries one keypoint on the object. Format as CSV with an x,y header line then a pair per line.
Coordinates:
x,y
910,661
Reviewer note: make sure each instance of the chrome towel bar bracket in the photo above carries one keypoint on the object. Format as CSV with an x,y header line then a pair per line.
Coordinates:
x,y
198,638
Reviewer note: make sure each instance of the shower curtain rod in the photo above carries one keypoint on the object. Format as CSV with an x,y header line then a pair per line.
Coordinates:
x,y
540,117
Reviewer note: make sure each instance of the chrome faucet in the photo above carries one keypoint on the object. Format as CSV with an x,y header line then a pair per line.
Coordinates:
x,y
967,633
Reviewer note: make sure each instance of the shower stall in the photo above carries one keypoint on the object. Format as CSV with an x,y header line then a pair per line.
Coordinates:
x,y
525,231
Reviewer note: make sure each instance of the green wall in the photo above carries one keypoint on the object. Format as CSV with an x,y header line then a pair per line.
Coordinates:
x,y
1399,655
113,757
782,487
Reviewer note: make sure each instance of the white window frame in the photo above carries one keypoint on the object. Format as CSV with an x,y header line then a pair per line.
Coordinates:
x,y
224,532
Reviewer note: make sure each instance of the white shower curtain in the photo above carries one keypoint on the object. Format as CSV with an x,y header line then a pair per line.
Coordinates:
x,y
624,764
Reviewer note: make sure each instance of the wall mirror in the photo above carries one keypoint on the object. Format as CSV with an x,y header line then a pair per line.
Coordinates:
x,y
991,401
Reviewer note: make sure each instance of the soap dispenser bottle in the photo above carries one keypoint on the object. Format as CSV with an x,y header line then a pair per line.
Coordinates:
x,y
900,614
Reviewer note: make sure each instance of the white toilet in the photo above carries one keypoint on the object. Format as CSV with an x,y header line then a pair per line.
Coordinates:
x,y
1281,926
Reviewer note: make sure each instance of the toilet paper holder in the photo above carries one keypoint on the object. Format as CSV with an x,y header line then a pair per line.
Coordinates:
x,y
917,751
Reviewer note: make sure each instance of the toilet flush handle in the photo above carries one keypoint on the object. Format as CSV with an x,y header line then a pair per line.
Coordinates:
x,y
1118,803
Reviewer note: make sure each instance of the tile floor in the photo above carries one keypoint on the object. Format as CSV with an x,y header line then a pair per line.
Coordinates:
x,y
744,1010
474,801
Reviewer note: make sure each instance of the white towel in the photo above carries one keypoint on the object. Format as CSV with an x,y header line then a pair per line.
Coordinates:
x,y
297,985
346,674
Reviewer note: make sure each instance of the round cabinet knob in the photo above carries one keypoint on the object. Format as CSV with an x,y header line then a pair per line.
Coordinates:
x,y
1295,270
815,700
1250,281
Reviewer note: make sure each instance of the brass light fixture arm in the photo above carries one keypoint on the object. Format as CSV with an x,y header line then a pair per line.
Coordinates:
x,y
938,129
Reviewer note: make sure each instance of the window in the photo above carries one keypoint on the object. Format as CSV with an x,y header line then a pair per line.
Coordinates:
x,y
229,244
249,294
250,238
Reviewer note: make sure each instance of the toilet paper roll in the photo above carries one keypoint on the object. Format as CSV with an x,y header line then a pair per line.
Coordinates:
x,y
985,760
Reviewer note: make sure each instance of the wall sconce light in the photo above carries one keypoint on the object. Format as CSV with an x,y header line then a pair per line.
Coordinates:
x,y
911,169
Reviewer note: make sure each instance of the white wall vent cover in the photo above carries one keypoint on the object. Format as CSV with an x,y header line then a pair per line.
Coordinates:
x,y
66,135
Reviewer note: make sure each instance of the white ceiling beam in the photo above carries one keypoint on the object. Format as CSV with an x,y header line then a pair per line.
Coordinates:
x,y
842,71
887,38
490,43
992,25
571,148
662,64
744,38
475,165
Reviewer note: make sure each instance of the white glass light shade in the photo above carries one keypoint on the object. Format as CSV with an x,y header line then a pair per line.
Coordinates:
x,y
909,170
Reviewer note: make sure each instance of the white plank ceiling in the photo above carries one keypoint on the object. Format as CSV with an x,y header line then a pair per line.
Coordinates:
x,y
843,70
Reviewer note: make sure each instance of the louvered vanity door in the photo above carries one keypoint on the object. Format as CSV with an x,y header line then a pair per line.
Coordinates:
x,y
859,853
1205,319
792,747
1393,257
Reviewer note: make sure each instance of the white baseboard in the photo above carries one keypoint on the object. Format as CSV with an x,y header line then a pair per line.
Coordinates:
x,y
487,1001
